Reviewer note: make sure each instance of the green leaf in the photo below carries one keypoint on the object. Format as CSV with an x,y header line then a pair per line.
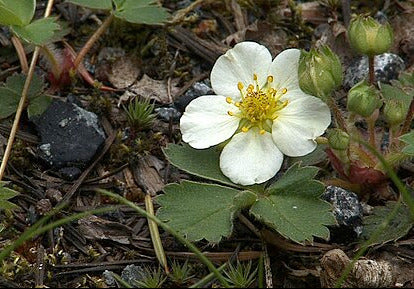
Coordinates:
x,y
409,140
201,211
315,157
16,84
141,12
396,229
201,163
9,100
17,12
5,195
293,207
93,4
38,105
390,92
10,93
39,32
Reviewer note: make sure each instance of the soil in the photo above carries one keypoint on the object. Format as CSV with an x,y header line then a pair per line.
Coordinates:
x,y
169,65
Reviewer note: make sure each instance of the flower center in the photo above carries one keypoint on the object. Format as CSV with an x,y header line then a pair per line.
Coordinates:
x,y
259,106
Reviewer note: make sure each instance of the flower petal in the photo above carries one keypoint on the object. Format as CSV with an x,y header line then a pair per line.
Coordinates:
x,y
238,65
206,122
299,123
250,158
284,69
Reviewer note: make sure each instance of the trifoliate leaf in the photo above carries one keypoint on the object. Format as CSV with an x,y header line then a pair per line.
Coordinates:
x,y
293,207
141,12
11,92
409,140
93,4
397,228
39,32
315,157
202,211
5,195
390,92
38,105
201,163
17,12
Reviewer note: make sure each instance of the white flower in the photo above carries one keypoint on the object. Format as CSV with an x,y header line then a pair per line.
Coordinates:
x,y
260,108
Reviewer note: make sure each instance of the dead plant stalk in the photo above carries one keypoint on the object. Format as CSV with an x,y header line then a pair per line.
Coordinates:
x,y
22,100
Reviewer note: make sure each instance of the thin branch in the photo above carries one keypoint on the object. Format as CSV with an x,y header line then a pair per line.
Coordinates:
x,y
22,100
21,54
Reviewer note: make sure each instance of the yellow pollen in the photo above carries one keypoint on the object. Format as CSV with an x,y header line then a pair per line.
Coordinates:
x,y
259,105
270,79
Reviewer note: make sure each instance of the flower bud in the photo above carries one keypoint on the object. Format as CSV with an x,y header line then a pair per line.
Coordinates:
x,y
367,36
363,99
338,139
395,111
320,72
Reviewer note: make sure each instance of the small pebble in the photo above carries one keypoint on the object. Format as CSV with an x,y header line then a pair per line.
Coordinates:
x,y
198,89
348,213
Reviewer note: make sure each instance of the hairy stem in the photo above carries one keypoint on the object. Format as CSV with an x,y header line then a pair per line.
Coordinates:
x,y
340,121
22,100
20,53
88,45
346,11
371,67
407,123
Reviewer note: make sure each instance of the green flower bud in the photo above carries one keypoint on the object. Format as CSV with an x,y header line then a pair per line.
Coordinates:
x,y
320,72
369,37
363,99
395,111
338,139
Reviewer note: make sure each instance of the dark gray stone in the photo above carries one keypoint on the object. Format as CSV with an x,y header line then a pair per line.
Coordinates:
x,y
131,273
70,136
387,67
70,173
167,113
348,213
198,89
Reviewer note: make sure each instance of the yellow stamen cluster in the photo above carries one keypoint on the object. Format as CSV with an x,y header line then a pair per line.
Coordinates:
x,y
259,106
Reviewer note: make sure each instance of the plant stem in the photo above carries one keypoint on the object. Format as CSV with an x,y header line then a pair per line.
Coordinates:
x,y
20,53
155,235
22,100
371,127
407,123
167,228
346,12
88,45
371,67
337,114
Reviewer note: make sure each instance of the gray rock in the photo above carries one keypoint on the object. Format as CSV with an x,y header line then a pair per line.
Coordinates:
x,y
387,67
109,278
198,89
167,113
173,112
131,273
70,136
347,210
